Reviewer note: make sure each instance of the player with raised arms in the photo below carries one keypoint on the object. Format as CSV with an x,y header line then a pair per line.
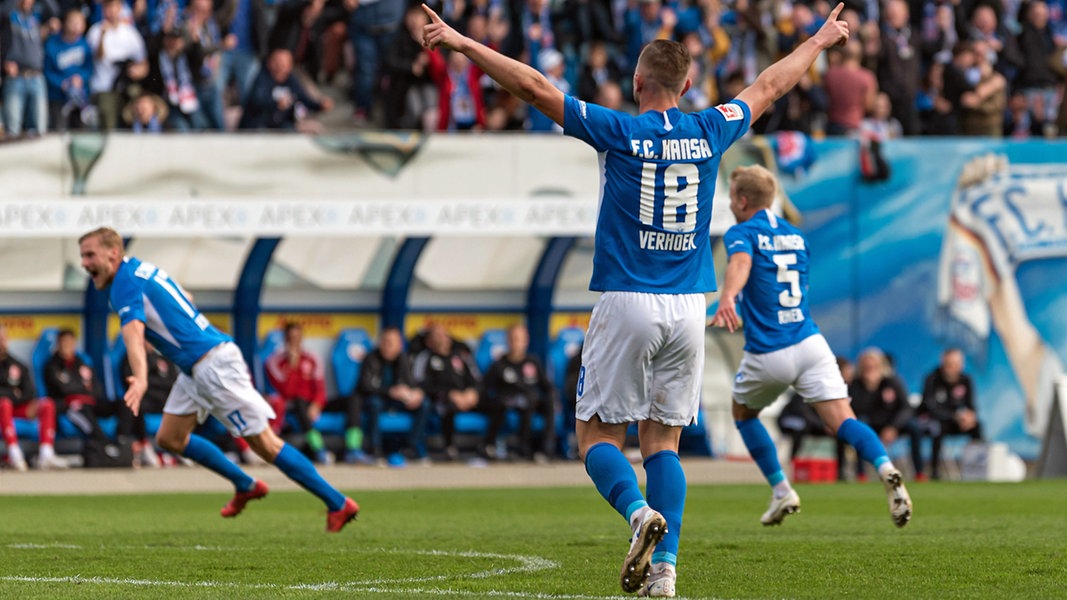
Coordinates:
x,y
644,349
214,377
767,283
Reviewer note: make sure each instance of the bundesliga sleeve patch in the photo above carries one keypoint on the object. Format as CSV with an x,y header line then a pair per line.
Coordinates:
x,y
731,112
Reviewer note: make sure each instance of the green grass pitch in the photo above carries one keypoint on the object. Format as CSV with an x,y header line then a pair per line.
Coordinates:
x,y
967,540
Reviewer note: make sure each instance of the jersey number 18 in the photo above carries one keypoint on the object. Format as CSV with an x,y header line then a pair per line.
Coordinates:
x,y
677,185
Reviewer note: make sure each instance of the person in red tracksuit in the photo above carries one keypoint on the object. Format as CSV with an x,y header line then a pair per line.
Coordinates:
x,y
298,379
461,106
18,398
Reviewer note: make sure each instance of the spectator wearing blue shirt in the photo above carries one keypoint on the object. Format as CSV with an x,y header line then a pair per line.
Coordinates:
x,y
372,26
68,66
25,93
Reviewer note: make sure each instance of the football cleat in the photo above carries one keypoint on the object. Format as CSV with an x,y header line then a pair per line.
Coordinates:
x,y
237,503
661,580
899,500
337,519
648,530
780,508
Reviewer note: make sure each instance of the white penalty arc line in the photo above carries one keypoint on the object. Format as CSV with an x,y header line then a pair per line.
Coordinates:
x,y
330,587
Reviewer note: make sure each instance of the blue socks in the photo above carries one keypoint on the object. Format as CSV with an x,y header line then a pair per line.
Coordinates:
x,y
205,453
666,495
614,478
861,437
298,468
761,447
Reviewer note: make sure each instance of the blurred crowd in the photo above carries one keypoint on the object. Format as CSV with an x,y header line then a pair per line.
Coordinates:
x,y
912,67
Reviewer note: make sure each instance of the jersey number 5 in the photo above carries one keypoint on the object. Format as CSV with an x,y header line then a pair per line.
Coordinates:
x,y
788,298
677,185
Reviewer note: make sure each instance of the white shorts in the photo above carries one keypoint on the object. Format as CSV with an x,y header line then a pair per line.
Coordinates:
x,y
809,367
221,386
643,359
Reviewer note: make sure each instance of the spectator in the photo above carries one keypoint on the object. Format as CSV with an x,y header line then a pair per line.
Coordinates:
x,y
447,376
947,408
146,113
70,381
551,65
851,90
386,384
203,35
277,100
799,420
239,60
25,92
898,65
959,79
644,21
372,25
597,71
880,124
983,107
879,400
571,375
410,97
1004,54
609,96
1036,79
517,381
460,105
300,384
119,60
937,114
68,66
18,398
172,63
162,373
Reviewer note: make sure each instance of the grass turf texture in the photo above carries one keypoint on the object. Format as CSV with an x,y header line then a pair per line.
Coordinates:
x,y
967,540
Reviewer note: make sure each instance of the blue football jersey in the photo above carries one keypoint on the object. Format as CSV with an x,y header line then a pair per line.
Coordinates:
x,y
774,301
657,173
143,292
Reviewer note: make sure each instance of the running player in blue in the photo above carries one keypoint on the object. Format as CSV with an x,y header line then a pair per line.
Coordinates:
x,y
214,378
767,283
644,350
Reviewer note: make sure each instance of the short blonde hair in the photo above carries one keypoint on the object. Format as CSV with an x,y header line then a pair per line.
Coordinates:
x,y
755,183
665,62
109,238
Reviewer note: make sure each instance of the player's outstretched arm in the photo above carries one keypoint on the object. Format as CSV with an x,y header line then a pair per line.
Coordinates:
x,y
737,271
523,81
137,382
780,77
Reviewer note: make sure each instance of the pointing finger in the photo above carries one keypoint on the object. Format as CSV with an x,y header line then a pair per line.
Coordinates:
x,y
435,18
833,14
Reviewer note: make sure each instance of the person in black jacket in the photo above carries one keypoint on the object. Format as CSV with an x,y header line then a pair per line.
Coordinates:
x,y
947,408
449,379
517,381
879,399
277,95
162,373
72,383
386,384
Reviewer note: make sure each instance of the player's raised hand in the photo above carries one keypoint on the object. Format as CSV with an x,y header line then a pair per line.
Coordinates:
x,y
833,32
437,33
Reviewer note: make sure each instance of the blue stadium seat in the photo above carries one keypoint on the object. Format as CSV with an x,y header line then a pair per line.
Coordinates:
x,y
492,345
352,346
114,385
271,342
42,351
567,343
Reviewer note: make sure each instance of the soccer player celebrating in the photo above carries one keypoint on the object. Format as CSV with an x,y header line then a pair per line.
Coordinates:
x,y
767,282
644,350
214,378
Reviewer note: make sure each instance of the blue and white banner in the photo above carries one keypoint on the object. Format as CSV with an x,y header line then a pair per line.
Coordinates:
x,y
965,245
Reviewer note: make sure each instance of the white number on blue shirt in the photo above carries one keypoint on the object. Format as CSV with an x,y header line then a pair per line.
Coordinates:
x,y
679,190
788,298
